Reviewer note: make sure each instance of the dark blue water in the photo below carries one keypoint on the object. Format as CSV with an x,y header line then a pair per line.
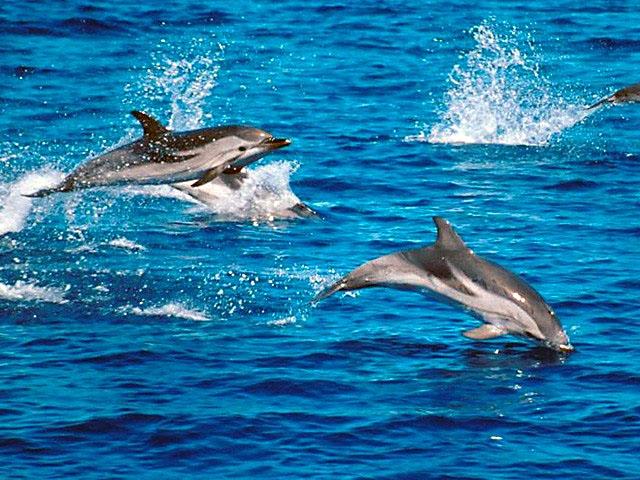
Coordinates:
x,y
146,336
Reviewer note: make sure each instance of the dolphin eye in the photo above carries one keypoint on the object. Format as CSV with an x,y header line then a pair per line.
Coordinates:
x,y
242,149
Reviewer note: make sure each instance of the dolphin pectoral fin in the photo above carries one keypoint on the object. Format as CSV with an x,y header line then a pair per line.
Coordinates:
x,y
152,128
209,175
484,332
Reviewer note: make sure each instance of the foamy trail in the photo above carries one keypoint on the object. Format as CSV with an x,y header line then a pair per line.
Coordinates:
x,y
498,95
25,292
15,206
175,310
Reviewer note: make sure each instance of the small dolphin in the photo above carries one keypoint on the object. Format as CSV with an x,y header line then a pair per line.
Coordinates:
x,y
227,188
449,269
162,156
630,94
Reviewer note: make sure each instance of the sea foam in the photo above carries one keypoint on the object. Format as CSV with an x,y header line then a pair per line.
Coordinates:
x,y
175,310
30,292
15,206
498,95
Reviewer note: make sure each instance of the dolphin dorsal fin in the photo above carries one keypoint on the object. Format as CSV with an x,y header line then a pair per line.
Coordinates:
x,y
152,128
447,237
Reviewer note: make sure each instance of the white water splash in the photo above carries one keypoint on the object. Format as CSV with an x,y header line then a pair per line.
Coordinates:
x,y
171,310
282,322
499,96
15,206
25,292
126,244
183,76
264,193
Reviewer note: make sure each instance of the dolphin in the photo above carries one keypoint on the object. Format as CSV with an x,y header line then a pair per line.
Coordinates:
x,y
630,94
451,271
234,188
162,156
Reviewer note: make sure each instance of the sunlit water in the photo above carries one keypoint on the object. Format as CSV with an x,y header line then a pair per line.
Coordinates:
x,y
146,334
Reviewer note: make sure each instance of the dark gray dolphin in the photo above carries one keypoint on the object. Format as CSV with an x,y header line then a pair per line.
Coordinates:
x,y
451,271
162,156
630,94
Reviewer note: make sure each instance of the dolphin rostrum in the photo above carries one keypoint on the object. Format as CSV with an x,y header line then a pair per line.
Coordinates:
x,y
630,94
451,271
163,156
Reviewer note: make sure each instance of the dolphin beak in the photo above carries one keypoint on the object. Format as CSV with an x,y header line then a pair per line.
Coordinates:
x,y
568,348
275,143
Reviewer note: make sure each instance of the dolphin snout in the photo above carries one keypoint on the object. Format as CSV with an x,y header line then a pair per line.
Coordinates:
x,y
275,143
567,348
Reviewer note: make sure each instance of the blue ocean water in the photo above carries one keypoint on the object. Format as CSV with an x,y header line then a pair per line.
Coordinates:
x,y
143,335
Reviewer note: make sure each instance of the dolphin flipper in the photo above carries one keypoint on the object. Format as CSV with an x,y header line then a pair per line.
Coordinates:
x,y
484,332
210,175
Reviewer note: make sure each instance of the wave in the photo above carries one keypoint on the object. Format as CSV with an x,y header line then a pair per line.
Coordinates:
x,y
30,292
15,206
170,310
498,95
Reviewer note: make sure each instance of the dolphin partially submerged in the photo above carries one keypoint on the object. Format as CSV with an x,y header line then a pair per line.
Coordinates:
x,y
248,194
162,156
451,271
630,94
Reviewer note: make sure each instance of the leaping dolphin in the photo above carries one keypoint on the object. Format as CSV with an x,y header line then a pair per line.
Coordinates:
x,y
630,94
162,156
449,269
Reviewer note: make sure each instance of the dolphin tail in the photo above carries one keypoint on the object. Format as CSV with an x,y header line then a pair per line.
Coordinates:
x,y
600,102
327,292
66,186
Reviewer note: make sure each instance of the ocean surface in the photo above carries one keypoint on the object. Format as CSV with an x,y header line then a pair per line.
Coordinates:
x,y
145,335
